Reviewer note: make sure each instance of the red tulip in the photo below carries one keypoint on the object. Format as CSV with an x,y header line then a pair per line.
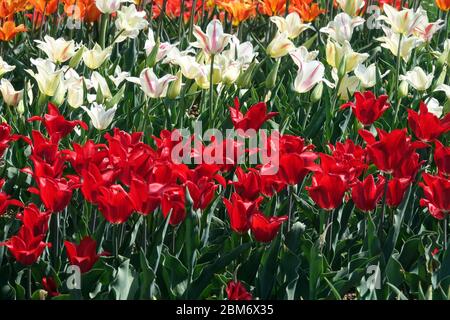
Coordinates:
x,y
253,119
201,192
49,285
83,255
115,204
55,123
367,107
425,125
347,159
265,229
247,184
391,150
237,291
396,191
294,167
327,190
239,212
366,194
174,202
271,184
35,220
83,155
93,179
45,150
145,197
436,190
442,158
25,246
55,193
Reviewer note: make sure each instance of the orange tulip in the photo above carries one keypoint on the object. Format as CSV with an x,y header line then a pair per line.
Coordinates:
x,y
444,5
239,10
46,7
9,7
9,30
272,7
307,10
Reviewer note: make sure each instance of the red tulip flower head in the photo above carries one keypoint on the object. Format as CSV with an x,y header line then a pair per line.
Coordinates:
x,y
253,119
265,229
83,255
55,123
367,107
327,190
25,246
236,291
239,212
436,190
425,125
366,194
115,204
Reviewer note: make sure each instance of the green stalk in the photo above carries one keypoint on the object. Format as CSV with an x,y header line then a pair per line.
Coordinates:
x,y
397,76
103,28
29,283
211,89
445,232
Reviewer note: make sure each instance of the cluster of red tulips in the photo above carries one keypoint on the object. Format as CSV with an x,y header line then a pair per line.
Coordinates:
x,y
124,176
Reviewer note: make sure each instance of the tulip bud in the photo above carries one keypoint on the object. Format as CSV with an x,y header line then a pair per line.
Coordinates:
x,y
151,59
316,94
175,87
440,80
272,77
342,68
75,60
245,79
403,89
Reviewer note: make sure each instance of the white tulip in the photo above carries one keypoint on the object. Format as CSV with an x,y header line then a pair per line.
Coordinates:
x,y
75,88
96,56
403,21
309,74
57,50
214,40
337,54
391,42
100,116
243,53
109,6
280,45
47,77
163,48
292,24
302,54
11,97
418,79
341,28
351,7
153,86
129,22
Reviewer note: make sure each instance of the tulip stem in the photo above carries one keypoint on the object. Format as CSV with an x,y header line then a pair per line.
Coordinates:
x,y
445,231
211,89
291,204
397,76
384,203
103,28
29,283
115,240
